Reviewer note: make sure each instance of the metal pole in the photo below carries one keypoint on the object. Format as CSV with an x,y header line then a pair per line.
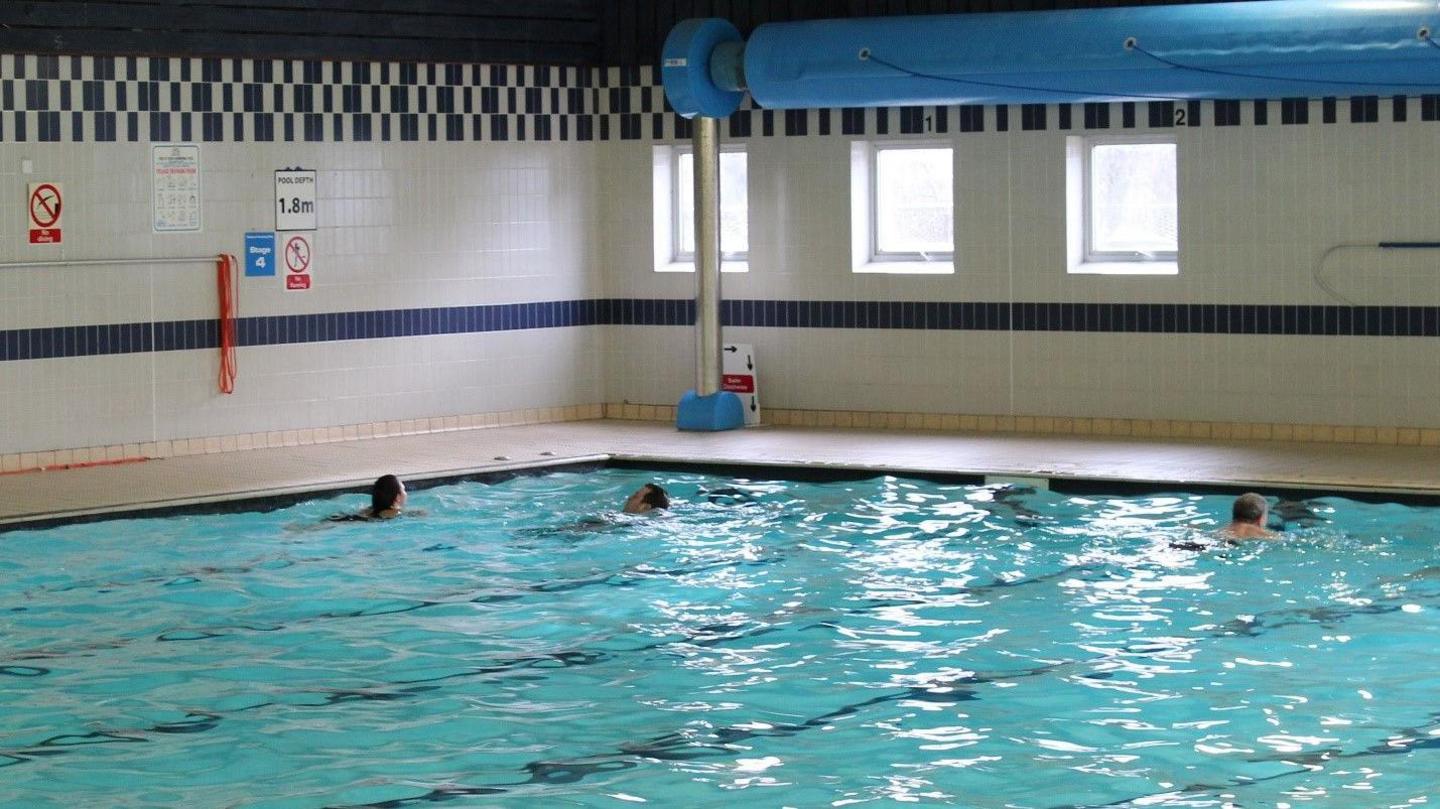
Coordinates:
x,y
106,262
707,255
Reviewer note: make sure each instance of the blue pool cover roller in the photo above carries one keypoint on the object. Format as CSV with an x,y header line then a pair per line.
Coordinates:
x,y
1277,48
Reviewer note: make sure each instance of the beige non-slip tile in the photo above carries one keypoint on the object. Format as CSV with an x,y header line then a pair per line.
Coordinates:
x,y
1430,438
45,459
10,462
228,443
319,465
29,460
1407,436
1386,435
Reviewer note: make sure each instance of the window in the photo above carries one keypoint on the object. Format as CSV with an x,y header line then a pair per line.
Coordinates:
x,y
734,226
903,207
1123,210
674,199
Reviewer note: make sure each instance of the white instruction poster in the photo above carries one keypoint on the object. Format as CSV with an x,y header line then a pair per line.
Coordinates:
x,y
175,196
739,376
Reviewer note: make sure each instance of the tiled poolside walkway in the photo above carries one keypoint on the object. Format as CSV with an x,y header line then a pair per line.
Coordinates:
x,y
253,473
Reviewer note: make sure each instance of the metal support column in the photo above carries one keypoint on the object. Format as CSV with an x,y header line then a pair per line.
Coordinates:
x,y
707,255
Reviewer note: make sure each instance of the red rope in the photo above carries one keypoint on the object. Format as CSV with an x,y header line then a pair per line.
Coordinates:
x,y
228,285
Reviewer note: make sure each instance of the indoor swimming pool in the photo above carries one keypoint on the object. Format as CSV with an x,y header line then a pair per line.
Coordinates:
x,y
778,643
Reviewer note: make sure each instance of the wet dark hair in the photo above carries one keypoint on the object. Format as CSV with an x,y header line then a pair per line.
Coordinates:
x,y
655,497
1249,507
383,495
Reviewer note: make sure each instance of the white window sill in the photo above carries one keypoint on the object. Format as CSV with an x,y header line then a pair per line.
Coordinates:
x,y
689,266
1126,268
907,267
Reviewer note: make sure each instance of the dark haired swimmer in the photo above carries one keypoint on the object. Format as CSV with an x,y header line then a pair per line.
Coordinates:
x,y
387,500
649,497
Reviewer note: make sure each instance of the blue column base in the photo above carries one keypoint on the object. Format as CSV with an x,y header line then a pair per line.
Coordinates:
x,y
721,411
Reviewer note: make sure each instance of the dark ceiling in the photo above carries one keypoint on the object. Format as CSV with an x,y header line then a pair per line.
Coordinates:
x,y
565,32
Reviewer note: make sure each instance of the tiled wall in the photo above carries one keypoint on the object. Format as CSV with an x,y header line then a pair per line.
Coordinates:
x,y
434,242
1243,334
484,246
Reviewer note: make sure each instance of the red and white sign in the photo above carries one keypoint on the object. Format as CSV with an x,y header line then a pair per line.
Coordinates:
x,y
299,271
739,376
45,206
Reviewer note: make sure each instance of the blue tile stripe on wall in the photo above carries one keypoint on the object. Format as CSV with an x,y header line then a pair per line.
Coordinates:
x,y
106,99
1142,318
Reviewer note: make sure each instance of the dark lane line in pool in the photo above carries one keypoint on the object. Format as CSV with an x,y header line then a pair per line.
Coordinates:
x,y
677,746
397,607
194,722
1397,742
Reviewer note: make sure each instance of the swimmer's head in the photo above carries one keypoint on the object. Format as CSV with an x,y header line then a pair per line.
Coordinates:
x,y
646,498
387,493
1250,507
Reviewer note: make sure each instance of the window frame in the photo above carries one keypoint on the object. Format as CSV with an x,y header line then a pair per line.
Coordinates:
x,y
1164,262
679,257
908,257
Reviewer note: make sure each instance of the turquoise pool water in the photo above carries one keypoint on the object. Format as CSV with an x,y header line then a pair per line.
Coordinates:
x,y
767,643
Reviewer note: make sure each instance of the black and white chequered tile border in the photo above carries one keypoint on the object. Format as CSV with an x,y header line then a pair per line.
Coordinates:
x,y
99,98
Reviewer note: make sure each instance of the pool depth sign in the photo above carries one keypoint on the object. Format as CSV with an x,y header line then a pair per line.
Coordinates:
x,y
295,207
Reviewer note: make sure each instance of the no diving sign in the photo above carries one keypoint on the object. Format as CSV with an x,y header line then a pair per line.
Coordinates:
x,y
299,263
45,206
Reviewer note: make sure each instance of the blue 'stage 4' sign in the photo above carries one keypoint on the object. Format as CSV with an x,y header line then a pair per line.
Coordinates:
x,y
259,254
